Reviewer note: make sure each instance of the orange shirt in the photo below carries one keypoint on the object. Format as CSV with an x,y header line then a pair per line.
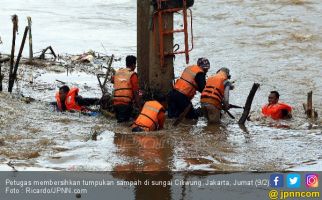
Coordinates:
x,y
135,82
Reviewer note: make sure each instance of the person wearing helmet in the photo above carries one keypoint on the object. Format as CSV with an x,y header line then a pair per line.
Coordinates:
x,y
193,79
215,95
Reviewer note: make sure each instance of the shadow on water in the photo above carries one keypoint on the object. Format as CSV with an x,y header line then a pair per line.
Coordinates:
x,y
152,152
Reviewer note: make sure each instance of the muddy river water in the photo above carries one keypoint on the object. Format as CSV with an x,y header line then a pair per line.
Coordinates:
x,y
277,43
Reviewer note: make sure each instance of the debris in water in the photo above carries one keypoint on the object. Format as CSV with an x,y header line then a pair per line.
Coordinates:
x,y
85,57
302,37
34,154
94,136
10,164
42,55
2,142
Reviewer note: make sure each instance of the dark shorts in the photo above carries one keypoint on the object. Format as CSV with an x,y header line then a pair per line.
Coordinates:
x,y
123,112
137,129
177,102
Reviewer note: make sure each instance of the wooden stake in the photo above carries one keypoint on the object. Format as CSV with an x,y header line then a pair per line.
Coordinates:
x,y
1,77
315,114
309,109
304,107
248,103
14,73
14,32
30,40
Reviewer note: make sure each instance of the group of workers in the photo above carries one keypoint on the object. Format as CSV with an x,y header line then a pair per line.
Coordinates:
x,y
214,97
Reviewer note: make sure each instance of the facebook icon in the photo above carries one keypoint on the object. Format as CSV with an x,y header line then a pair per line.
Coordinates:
x,y
276,180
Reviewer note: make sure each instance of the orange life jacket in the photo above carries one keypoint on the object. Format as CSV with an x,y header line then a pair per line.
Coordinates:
x,y
70,100
213,93
148,118
275,111
122,86
186,84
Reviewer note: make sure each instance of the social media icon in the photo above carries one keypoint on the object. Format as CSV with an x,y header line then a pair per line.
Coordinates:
x,y
276,180
293,180
312,180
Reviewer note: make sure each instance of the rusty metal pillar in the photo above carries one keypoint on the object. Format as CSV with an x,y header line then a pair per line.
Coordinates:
x,y
150,72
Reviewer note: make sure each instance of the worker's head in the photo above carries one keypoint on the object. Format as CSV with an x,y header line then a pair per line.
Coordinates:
x,y
131,62
226,71
63,91
273,97
204,64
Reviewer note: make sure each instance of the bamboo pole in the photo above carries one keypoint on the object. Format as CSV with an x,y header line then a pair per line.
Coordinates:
x,y
30,40
14,73
248,103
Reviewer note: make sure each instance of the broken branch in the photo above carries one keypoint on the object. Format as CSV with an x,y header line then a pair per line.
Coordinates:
x,y
248,104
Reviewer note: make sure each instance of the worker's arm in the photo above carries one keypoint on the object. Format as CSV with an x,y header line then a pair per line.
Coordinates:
x,y
201,81
161,119
112,79
228,86
55,105
135,89
286,112
86,101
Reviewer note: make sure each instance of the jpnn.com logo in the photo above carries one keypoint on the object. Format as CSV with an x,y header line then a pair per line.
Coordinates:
x,y
276,180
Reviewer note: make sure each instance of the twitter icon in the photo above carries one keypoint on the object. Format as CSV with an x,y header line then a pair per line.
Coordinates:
x,y
293,180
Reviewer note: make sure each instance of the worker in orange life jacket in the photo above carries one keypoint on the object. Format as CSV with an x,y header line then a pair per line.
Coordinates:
x,y
215,96
68,99
193,79
152,115
276,110
126,89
